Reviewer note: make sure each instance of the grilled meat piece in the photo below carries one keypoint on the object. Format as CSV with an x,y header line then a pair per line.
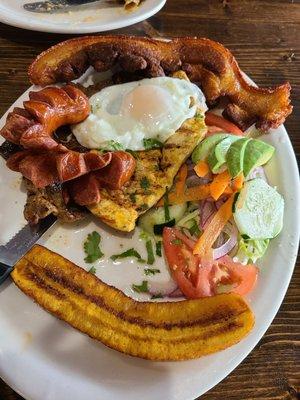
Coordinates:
x,y
50,200
155,171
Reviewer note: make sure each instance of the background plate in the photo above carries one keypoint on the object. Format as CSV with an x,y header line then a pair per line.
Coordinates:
x,y
91,19
43,358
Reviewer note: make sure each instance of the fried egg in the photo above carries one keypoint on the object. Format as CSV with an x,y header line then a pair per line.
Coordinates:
x,y
131,112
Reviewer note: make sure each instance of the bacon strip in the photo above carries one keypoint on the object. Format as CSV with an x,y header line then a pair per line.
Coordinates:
x,y
44,112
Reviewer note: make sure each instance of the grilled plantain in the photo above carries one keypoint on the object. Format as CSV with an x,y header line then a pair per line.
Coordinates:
x,y
155,331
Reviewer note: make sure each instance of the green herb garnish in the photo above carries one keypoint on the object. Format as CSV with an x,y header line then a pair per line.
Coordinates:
x,y
148,238
199,115
166,206
177,242
132,152
91,247
92,270
194,229
132,197
158,248
152,144
157,296
143,288
150,254
151,271
143,207
112,145
145,184
128,253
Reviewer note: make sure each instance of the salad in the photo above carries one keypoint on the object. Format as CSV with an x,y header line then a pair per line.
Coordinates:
x,y
217,220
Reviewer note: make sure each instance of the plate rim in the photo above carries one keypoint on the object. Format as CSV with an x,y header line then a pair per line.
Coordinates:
x,y
9,19
243,353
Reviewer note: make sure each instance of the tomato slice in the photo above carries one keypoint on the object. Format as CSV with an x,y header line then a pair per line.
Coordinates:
x,y
199,278
192,279
212,130
220,122
242,277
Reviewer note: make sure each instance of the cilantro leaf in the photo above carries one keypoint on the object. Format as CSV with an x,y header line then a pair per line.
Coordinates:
x,y
152,144
92,270
194,229
91,247
158,248
157,296
151,271
128,253
144,182
166,206
112,145
150,254
177,242
132,197
143,288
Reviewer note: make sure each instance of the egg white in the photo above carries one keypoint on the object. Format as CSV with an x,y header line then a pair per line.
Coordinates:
x,y
130,112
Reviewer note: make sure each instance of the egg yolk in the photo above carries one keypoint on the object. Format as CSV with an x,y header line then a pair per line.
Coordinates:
x,y
147,104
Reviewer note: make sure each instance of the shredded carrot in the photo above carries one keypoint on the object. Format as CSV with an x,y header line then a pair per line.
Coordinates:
x,y
180,180
219,184
203,246
196,193
201,168
238,182
228,190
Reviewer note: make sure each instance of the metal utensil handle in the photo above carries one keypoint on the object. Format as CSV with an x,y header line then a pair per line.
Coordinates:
x,y
4,272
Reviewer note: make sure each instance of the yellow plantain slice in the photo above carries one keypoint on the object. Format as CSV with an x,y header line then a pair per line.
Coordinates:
x,y
155,331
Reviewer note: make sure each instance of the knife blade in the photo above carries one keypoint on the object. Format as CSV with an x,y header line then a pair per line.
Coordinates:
x,y
23,241
54,6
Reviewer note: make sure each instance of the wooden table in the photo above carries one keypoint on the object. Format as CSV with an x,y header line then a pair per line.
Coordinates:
x,y
265,38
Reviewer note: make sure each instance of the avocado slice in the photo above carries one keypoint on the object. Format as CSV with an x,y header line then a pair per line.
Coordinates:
x,y
217,156
202,150
258,211
235,157
256,153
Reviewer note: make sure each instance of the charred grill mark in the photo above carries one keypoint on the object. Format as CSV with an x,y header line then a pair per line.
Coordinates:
x,y
43,285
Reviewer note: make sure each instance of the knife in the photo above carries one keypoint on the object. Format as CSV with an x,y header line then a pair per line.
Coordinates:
x,y
52,6
23,241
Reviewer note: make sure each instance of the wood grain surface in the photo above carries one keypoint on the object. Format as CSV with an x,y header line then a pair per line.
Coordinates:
x,y
265,38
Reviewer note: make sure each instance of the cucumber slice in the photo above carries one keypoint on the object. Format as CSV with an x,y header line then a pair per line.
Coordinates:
x,y
202,150
235,157
217,156
156,216
256,153
258,211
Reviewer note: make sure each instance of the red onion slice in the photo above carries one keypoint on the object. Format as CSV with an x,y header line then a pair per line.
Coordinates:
x,y
221,251
207,211
177,293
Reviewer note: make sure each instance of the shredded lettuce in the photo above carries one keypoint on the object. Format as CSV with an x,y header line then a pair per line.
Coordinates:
x,y
250,250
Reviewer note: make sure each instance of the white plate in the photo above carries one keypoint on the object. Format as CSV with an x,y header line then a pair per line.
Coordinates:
x,y
90,19
44,358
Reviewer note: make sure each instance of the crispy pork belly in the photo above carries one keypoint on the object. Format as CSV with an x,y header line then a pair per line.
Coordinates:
x,y
206,63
